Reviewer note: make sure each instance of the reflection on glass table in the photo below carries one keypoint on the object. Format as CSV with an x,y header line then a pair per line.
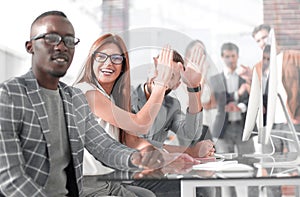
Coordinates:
x,y
209,170
242,173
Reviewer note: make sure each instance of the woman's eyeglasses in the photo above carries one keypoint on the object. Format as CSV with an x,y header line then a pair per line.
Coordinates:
x,y
55,39
114,58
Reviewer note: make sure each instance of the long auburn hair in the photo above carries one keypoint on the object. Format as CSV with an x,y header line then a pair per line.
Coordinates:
x,y
121,88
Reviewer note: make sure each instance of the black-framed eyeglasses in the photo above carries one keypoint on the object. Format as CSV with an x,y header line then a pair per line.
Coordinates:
x,y
114,58
55,39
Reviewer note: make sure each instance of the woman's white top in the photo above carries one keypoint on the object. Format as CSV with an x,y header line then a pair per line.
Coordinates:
x,y
91,166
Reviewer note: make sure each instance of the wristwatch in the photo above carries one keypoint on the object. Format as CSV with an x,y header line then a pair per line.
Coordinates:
x,y
196,89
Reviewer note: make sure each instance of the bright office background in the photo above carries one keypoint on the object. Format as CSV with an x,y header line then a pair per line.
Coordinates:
x,y
214,22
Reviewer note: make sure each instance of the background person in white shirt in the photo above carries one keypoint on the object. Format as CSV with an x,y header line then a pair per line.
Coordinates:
x,y
231,103
230,92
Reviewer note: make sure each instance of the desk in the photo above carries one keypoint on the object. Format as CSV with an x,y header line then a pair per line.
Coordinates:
x,y
241,180
188,187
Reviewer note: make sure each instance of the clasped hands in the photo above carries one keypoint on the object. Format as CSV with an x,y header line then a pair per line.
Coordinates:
x,y
153,158
204,148
156,163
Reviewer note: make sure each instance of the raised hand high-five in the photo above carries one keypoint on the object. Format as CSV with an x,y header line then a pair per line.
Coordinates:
x,y
194,66
163,67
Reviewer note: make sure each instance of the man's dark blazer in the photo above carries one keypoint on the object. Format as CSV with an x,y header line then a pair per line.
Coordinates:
x,y
218,86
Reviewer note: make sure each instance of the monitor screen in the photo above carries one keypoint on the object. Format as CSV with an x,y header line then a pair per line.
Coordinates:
x,y
254,109
272,88
255,105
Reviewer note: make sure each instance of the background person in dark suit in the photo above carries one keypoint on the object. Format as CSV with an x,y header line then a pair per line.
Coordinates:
x,y
231,95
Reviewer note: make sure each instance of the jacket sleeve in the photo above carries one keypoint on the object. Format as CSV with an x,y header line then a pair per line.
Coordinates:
x,y
187,126
13,179
104,148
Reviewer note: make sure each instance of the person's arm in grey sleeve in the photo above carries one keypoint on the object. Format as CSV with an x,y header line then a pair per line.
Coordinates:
x,y
188,127
105,149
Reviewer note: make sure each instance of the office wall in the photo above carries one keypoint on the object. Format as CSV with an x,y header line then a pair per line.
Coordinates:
x,y
284,17
12,63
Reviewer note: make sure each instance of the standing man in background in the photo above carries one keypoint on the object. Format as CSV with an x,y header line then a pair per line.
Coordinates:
x,y
232,104
231,100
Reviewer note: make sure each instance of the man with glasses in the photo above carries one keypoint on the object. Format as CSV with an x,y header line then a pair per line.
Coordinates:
x,y
54,39
45,124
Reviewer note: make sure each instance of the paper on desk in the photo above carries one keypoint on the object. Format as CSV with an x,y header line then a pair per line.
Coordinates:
x,y
231,165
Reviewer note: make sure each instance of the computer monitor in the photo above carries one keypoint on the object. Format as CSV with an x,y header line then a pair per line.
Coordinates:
x,y
255,104
255,108
273,78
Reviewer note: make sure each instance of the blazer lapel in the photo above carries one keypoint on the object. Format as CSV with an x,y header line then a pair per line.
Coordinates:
x,y
224,81
35,97
70,121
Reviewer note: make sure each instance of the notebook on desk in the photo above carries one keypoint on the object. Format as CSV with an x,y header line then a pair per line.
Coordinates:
x,y
224,166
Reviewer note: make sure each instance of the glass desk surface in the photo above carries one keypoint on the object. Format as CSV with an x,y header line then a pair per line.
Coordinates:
x,y
241,172
241,167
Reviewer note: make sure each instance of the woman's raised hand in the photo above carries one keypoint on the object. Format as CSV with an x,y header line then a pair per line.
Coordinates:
x,y
164,67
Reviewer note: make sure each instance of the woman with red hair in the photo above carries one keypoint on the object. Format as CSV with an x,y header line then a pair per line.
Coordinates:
x,y
105,80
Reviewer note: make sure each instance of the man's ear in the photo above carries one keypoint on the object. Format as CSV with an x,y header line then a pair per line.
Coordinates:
x,y
28,46
177,85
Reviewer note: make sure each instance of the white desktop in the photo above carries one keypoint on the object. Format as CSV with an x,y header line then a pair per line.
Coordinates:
x,y
274,106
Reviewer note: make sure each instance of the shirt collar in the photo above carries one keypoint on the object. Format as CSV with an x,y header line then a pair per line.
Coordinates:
x,y
228,73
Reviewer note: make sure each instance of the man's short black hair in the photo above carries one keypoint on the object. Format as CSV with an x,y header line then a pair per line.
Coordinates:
x,y
49,13
230,47
261,27
177,57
